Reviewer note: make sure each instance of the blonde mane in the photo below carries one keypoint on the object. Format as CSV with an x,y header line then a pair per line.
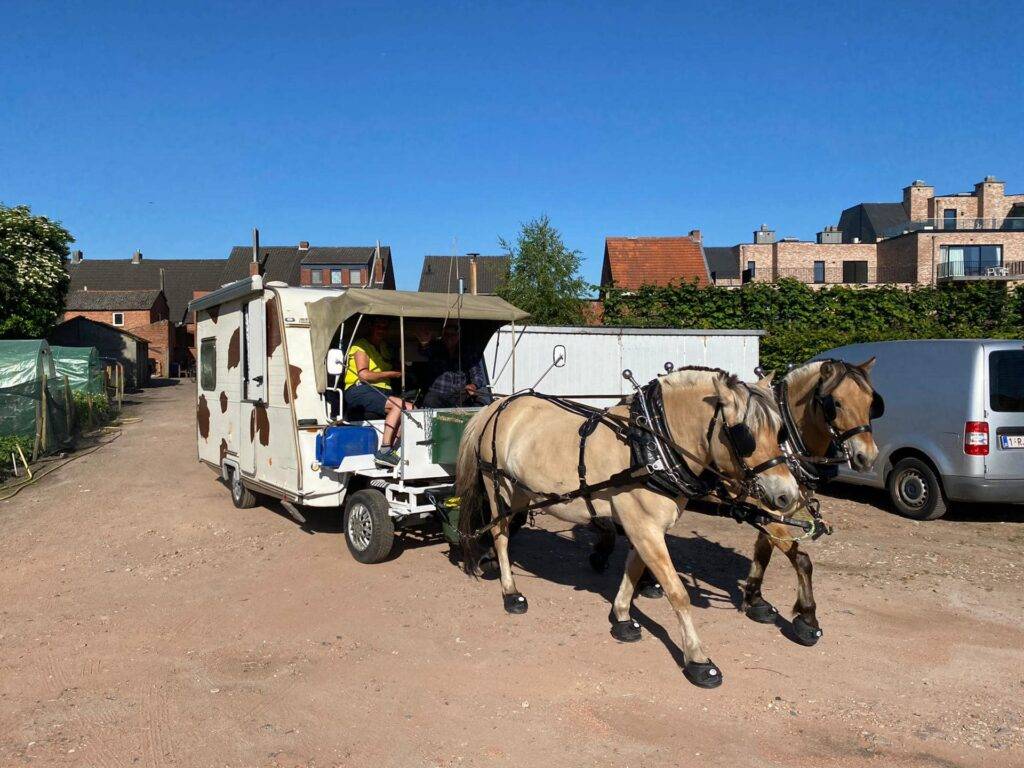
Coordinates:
x,y
759,406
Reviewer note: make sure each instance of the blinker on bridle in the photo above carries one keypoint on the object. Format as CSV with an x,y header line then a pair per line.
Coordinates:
x,y
829,410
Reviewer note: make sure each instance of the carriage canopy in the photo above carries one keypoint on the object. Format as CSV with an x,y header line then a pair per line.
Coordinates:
x,y
327,315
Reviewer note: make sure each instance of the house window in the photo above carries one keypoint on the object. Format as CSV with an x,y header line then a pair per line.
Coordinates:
x,y
949,218
355,277
316,277
752,269
336,276
208,364
118,318
969,260
819,271
855,271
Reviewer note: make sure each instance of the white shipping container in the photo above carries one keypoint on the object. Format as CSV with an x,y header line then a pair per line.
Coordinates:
x,y
592,358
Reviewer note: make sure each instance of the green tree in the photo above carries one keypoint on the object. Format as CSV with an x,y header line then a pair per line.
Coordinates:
x,y
33,276
543,276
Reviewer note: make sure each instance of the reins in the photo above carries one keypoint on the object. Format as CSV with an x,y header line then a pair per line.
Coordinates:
x,y
664,475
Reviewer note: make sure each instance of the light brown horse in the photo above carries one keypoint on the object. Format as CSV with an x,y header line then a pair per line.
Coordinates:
x,y
830,402
536,447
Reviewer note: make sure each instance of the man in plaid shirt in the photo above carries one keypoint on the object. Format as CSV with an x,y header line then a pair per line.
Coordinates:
x,y
459,378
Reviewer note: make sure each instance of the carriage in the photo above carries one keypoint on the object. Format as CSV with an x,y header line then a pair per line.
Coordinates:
x,y
270,413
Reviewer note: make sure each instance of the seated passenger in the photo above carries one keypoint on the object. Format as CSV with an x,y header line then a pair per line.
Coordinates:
x,y
367,388
457,375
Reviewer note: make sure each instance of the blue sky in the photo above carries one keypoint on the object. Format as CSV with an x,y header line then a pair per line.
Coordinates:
x,y
175,129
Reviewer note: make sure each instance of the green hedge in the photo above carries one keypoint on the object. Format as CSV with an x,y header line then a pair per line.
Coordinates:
x,y
801,322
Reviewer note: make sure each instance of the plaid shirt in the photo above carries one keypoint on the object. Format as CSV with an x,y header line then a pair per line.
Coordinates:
x,y
451,377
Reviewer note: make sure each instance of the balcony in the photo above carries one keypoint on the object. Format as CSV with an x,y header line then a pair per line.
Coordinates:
x,y
979,270
834,274
1014,224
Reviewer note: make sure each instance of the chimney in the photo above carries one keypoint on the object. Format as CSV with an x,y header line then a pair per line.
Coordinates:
x,y
303,246
137,257
764,236
472,272
161,278
917,200
378,268
695,235
991,194
76,257
255,268
830,236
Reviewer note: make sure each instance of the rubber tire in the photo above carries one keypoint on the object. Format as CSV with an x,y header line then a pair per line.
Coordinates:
x,y
241,496
934,505
381,528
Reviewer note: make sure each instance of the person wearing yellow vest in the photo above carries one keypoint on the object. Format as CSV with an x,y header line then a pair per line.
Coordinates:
x,y
367,388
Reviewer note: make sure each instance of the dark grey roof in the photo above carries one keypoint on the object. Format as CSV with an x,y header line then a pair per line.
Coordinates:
x,y
867,221
723,262
181,278
441,274
284,262
114,300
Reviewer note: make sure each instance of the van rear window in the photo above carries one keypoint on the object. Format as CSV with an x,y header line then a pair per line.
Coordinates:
x,y
1006,377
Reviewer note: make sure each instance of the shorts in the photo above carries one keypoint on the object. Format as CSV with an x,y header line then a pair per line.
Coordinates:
x,y
363,401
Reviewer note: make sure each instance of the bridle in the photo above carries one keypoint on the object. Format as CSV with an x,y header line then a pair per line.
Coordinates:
x,y
829,409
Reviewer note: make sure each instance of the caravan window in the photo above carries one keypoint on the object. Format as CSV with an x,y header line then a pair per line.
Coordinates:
x,y
208,364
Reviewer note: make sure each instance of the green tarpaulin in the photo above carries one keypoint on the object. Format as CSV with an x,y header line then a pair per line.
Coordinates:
x,y
82,366
24,411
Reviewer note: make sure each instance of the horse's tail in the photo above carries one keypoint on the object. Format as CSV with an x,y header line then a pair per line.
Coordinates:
x,y
469,485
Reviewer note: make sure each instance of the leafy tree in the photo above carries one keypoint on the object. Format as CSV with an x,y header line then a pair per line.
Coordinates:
x,y
33,276
543,276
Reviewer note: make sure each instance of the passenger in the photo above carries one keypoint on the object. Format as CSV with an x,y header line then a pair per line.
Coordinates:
x,y
457,375
367,387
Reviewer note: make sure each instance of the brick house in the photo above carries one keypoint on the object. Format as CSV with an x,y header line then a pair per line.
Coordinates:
x,y
924,239
632,262
483,275
144,313
176,279
318,266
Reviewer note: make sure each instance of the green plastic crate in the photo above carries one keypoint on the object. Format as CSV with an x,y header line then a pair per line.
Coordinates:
x,y
446,428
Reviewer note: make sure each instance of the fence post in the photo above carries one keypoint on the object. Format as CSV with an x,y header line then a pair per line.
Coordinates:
x,y
69,404
43,445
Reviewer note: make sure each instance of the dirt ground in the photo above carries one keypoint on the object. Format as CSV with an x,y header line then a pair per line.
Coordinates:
x,y
144,621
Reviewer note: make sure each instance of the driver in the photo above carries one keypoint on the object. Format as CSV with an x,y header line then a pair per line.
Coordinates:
x,y
367,375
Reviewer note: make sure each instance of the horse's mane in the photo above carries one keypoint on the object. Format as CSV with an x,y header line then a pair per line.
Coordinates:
x,y
760,406
803,373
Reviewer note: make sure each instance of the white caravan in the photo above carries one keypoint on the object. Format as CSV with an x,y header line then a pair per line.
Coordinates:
x,y
269,412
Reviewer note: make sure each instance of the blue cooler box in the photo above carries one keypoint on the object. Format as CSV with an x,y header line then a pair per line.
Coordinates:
x,y
334,444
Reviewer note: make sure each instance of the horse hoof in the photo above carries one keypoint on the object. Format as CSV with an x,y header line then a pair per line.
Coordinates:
x,y
627,631
515,603
598,561
805,633
762,612
652,590
703,674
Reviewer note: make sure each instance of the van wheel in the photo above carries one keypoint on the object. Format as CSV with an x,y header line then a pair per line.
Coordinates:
x,y
240,495
369,531
915,490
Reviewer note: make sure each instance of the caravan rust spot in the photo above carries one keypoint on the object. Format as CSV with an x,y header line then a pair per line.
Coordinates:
x,y
259,422
223,402
233,350
292,385
203,417
213,312
273,327
223,449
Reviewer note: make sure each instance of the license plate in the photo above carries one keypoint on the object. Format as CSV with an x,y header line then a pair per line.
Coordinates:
x,y
1012,441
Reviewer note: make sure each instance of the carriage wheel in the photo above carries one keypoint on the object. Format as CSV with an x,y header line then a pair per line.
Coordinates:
x,y
242,497
369,531
916,491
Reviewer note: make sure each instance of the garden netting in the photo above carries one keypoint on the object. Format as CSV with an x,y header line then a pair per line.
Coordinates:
x,y
24,411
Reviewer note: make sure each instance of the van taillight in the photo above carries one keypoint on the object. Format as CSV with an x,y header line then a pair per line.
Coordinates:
x,y
976,438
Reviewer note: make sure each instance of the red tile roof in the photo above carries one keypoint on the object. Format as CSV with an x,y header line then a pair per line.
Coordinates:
x,y
631,262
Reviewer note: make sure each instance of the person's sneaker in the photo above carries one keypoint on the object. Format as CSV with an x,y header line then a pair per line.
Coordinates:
x,y
387,456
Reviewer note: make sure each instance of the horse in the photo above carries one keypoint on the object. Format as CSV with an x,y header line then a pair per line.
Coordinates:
x,y
523,450
828,407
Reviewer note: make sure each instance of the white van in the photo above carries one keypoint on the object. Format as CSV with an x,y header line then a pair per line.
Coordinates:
x,y
953,428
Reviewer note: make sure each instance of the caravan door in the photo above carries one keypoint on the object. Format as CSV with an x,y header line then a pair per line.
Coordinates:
x,y
253,403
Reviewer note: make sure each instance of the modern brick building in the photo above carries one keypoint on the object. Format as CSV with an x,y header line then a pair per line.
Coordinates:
x,y
320,266
924,239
